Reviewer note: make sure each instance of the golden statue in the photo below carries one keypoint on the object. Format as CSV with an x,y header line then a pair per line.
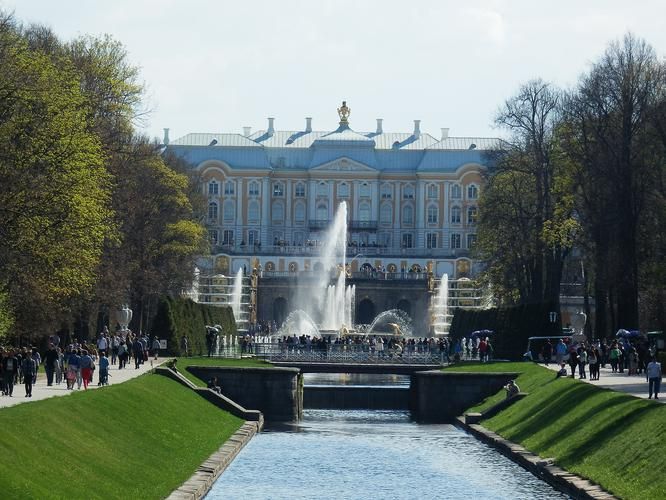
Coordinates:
x,y
344,112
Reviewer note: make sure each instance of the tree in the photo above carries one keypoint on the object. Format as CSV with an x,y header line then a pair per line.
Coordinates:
x,y
610,116
54,191
525,228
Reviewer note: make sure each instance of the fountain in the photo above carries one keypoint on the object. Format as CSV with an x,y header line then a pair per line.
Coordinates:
x,y
441,319
330,306
298,323
236,295
391,322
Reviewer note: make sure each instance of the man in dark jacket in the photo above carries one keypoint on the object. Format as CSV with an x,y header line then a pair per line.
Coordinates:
x,y
9,372
50,360
29,369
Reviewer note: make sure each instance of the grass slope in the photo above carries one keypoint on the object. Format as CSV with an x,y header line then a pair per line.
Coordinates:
x,y
614,439
183,363
139,439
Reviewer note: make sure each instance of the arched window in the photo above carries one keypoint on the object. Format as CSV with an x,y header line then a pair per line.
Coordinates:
x,y
229,211
407,214
212,210
432,214
455,191
364,212
472,192
322,189
277,212
408,192
300,190
278,189
365,190
455,215
343,190
213,188
322,212
254,189
472,214
253,211
299,212
433,192
229,188
386,213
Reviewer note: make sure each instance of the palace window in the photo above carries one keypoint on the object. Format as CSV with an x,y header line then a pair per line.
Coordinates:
x,y
407,240
229,211
228,237
322,189
432,214
278,189
472,215
299,238
471,241
365,190
343,190
212,236
433,192
431,240
254,189
229,188
213,188
407,214
455,215
322,212
386,192
472,192
277,212
212,211
456,192
364,212
252,237
455,240
299,212
253,211
386,213
300,190
408,192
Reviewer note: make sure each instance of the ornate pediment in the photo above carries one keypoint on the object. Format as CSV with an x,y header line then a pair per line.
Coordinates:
x,y
343,165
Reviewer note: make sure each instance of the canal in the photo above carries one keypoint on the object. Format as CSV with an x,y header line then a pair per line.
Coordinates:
x,y
372,454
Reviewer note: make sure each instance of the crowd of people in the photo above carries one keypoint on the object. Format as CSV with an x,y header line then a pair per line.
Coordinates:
x,y
75,364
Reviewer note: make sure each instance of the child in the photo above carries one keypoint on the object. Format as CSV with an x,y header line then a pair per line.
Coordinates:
x,y
103,369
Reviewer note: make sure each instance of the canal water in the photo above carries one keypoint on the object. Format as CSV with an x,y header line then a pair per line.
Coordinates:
x,y
361,454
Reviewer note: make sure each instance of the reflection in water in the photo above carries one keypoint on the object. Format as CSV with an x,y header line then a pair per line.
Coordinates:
x,y
362,379
373,455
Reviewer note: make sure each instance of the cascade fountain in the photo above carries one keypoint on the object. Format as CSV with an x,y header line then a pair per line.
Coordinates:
x,y
440,317
393,321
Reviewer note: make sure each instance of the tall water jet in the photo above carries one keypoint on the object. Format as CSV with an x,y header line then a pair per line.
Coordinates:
x,y
236,294
441,319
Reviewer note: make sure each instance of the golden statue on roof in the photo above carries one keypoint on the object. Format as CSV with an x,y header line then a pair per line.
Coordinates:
x,y
344,112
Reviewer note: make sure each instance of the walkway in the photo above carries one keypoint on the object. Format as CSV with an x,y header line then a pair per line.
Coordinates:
x,y
41,391
635,385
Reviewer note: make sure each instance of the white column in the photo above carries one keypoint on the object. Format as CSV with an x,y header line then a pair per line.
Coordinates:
x,y
420,218
265,204
287,214
240,222
374,203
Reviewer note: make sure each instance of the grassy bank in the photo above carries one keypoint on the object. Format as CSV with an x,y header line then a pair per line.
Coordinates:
x,y
139,439
183,363
614,439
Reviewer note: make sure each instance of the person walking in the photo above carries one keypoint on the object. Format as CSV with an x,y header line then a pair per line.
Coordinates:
x,y
653,374
50,360
29,370
137,348
9,371
156,346
86,364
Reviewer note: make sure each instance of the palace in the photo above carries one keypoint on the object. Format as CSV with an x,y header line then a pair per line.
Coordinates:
x,y
411,197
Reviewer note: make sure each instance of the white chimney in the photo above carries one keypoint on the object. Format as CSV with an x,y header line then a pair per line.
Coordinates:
x,y
270,126
445,133
165,140
380,130
247,131
308,124
417,128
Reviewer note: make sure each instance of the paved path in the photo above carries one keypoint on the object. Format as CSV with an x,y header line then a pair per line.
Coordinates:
x,y
41,391
636,385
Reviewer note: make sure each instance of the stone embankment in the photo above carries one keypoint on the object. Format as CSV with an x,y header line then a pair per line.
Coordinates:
x,y
202,480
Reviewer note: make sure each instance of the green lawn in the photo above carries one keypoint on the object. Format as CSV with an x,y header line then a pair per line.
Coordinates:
x,y
611,438
139,439
183,363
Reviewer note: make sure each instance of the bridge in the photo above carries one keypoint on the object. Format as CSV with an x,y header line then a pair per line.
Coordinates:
x,y
377,368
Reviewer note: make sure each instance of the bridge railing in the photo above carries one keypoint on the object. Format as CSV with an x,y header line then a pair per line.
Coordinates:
x,y
343,353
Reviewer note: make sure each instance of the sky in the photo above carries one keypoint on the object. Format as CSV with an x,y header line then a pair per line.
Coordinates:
x,y
219,65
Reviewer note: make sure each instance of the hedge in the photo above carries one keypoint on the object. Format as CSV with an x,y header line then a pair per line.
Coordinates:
x,y
512,326
178,316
